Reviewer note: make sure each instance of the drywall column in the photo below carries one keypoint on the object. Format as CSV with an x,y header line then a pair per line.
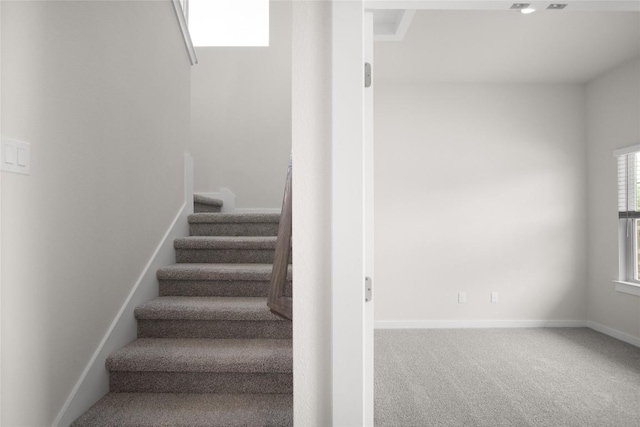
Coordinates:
x,y
613,121
348,210
311,133
0,222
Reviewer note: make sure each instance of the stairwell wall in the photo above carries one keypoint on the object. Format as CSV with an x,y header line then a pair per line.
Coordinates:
x,y
101,91
241,116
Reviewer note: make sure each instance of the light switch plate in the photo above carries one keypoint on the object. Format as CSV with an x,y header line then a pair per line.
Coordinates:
x,y
15,156
23,157
9,154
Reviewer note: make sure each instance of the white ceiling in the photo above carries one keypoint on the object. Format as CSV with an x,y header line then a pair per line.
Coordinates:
x,y
507,46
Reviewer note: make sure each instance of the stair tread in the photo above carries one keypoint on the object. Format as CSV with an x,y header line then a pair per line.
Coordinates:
x,y
235,218
212,410
206,308
225,242
206,200
204,355
217,272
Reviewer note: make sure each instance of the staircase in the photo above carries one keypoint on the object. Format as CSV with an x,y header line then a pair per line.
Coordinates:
x,y
209,352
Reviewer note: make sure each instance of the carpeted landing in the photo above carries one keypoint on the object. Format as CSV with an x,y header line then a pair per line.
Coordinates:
x,y
209,352
569,377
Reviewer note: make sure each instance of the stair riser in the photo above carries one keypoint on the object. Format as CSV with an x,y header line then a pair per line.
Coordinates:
x,y
217,288
194,410
225,256
224,229
213,329
200,382
201,208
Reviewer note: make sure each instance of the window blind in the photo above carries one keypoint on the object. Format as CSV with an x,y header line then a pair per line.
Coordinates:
x,y
628,180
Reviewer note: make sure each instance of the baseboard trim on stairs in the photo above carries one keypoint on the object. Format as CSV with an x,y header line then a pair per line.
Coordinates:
x,y
94,381
461,324
622,336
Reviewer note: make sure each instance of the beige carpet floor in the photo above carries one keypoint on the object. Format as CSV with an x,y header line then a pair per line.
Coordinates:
x,y
505,377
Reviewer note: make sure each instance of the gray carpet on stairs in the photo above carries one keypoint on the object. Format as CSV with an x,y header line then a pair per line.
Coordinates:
x,y
243,280
200,382
204,224
203,203
209,351
225,249
217,272
210,317
562,377
207,308
193,410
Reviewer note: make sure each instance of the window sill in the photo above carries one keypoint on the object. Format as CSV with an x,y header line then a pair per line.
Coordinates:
x,y
627,287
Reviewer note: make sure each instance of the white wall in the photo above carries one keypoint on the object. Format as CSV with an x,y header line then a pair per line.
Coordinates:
x,y
311,132
101,91
480,189
613,119
241,116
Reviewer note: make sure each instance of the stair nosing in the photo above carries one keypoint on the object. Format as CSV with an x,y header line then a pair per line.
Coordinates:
x,y
149,408
225,242
206,200
233,218
210,308
221,355
218,272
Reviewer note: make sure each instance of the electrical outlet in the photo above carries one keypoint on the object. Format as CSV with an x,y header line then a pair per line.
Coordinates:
x,y
494,297
462,297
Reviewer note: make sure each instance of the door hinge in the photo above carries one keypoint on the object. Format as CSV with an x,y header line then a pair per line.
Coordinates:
x,y
367,289
367,74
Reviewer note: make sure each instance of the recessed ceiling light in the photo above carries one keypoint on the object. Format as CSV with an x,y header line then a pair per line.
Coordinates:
x,y
523,7
557,6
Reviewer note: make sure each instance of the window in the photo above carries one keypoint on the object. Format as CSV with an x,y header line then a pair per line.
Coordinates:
x,y
229,22
629,213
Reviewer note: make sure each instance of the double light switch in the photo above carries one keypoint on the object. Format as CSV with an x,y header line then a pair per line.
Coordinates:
x,y
15,156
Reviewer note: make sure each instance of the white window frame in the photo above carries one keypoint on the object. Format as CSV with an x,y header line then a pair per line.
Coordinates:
x,y
627,238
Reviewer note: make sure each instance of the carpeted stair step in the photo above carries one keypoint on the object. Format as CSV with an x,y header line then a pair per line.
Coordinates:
x,y
226,249
242,280
195,410
203,203
243,224
209,317
233,366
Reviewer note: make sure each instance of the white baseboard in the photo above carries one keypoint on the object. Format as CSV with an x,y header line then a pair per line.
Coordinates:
x,y
94,381
478,324
463,324
622,336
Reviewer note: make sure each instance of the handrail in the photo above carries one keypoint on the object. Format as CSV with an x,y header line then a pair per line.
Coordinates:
x,y
181,13
278,302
